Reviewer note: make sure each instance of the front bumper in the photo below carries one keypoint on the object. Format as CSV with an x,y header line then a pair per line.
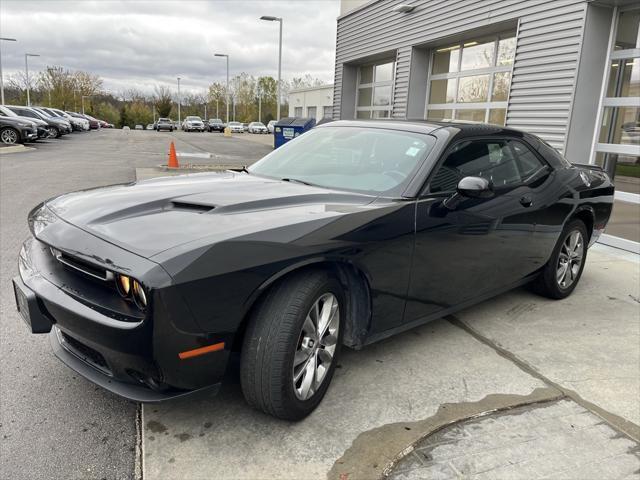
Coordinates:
x,y
78,362
137,360
28,134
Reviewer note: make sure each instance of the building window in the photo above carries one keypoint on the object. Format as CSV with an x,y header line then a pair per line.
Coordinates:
x,y
297,112
470,80
327,112
311,112
619,129
375,90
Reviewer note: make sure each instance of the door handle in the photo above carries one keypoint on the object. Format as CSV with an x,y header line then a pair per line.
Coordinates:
x,y
526,201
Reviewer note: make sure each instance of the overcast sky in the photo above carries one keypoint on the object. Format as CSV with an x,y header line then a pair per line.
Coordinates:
x,y
143,43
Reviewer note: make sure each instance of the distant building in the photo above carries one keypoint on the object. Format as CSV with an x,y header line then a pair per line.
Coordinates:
x,y
313,102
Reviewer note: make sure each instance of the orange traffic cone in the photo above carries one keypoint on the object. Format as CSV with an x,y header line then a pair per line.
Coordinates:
x,y
173,158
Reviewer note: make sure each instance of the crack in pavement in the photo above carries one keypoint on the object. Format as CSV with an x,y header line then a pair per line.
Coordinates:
x,y
618,423
374,452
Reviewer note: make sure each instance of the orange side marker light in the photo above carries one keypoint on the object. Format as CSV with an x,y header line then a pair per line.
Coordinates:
x,y
216,347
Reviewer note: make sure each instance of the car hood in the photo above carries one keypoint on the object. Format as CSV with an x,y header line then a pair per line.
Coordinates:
x,y
152,216
16,121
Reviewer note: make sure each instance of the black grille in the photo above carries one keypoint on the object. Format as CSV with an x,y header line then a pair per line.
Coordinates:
x,y
82,266
85,353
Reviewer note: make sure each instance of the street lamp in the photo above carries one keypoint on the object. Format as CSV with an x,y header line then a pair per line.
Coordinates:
x,y
75,105
26,69
179,102
83,97
227,92
269,18
1,77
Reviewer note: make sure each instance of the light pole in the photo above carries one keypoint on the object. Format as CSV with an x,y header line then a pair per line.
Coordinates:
x,y
179,102
227,92
205,111
1,77
259,105
269,18
83,97
75,105
26,70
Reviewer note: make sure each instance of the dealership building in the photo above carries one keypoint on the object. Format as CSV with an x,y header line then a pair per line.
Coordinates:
x,y
565,70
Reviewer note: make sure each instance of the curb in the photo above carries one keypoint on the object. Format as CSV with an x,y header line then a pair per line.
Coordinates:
x,y
15,149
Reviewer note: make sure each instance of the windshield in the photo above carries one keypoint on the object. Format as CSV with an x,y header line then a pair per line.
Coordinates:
x,y
371,160
215,120
6,112
193,119
235,124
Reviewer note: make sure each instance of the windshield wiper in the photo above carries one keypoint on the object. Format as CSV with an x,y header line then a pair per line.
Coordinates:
x,y
295,180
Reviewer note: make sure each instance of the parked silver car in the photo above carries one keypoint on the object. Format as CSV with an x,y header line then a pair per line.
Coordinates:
x,y
257,127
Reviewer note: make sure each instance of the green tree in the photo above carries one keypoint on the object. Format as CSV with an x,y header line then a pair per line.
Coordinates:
x,y
163,101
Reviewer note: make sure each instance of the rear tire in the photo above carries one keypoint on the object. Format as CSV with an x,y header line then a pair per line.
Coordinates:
x,y
292,344
560,276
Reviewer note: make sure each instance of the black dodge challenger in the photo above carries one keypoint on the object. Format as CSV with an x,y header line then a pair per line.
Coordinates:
x,y
346,235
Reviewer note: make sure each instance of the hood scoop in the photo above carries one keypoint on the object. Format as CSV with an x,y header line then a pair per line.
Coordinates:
x,y
191,207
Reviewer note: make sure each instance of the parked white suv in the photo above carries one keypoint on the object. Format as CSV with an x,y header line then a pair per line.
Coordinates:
x,y
193,123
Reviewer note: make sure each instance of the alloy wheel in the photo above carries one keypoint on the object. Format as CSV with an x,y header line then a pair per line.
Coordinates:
x,y
53,133
570,259
9,136
316,346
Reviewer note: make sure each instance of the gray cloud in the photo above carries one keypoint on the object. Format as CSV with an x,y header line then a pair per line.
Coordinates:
x,y
143,43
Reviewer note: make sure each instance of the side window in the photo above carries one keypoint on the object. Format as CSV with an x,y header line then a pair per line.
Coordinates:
x,y
490,159
528,162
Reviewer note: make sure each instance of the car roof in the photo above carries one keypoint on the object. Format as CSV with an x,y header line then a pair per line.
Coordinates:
x,y
427,126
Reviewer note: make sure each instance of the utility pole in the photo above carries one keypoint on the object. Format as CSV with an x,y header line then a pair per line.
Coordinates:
x,y
179,102
26,70
1,77
269,18
227,92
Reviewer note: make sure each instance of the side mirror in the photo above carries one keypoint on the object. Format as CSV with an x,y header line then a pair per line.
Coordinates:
x,y
475,187
469,187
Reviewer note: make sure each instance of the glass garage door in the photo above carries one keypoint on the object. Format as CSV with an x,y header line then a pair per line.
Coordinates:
x,y
618,135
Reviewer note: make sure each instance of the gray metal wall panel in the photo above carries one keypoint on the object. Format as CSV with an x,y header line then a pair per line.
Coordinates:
x,y
547,53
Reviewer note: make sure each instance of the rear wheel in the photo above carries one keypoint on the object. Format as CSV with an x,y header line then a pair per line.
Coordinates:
x,y
292,344
561,274
9,136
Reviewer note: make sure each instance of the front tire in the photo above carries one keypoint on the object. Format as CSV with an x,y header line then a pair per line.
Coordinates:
x,y
560,276
9,136
292,344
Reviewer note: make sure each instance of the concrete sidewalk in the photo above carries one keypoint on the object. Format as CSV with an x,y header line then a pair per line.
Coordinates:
x,y
515,350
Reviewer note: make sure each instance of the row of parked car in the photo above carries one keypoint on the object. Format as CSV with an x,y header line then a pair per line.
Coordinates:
x,y
21,124
196,124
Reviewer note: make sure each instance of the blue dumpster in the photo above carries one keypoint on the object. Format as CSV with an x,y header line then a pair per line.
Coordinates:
x,y
290,127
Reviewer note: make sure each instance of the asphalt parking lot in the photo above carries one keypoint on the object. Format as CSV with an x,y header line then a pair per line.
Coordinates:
x,y
578,359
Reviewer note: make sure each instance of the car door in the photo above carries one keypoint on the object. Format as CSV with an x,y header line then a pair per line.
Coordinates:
x,y
467,248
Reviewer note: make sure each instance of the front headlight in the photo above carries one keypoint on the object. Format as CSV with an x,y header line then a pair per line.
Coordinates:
x,y
24,124
132,290
139,295
123,284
